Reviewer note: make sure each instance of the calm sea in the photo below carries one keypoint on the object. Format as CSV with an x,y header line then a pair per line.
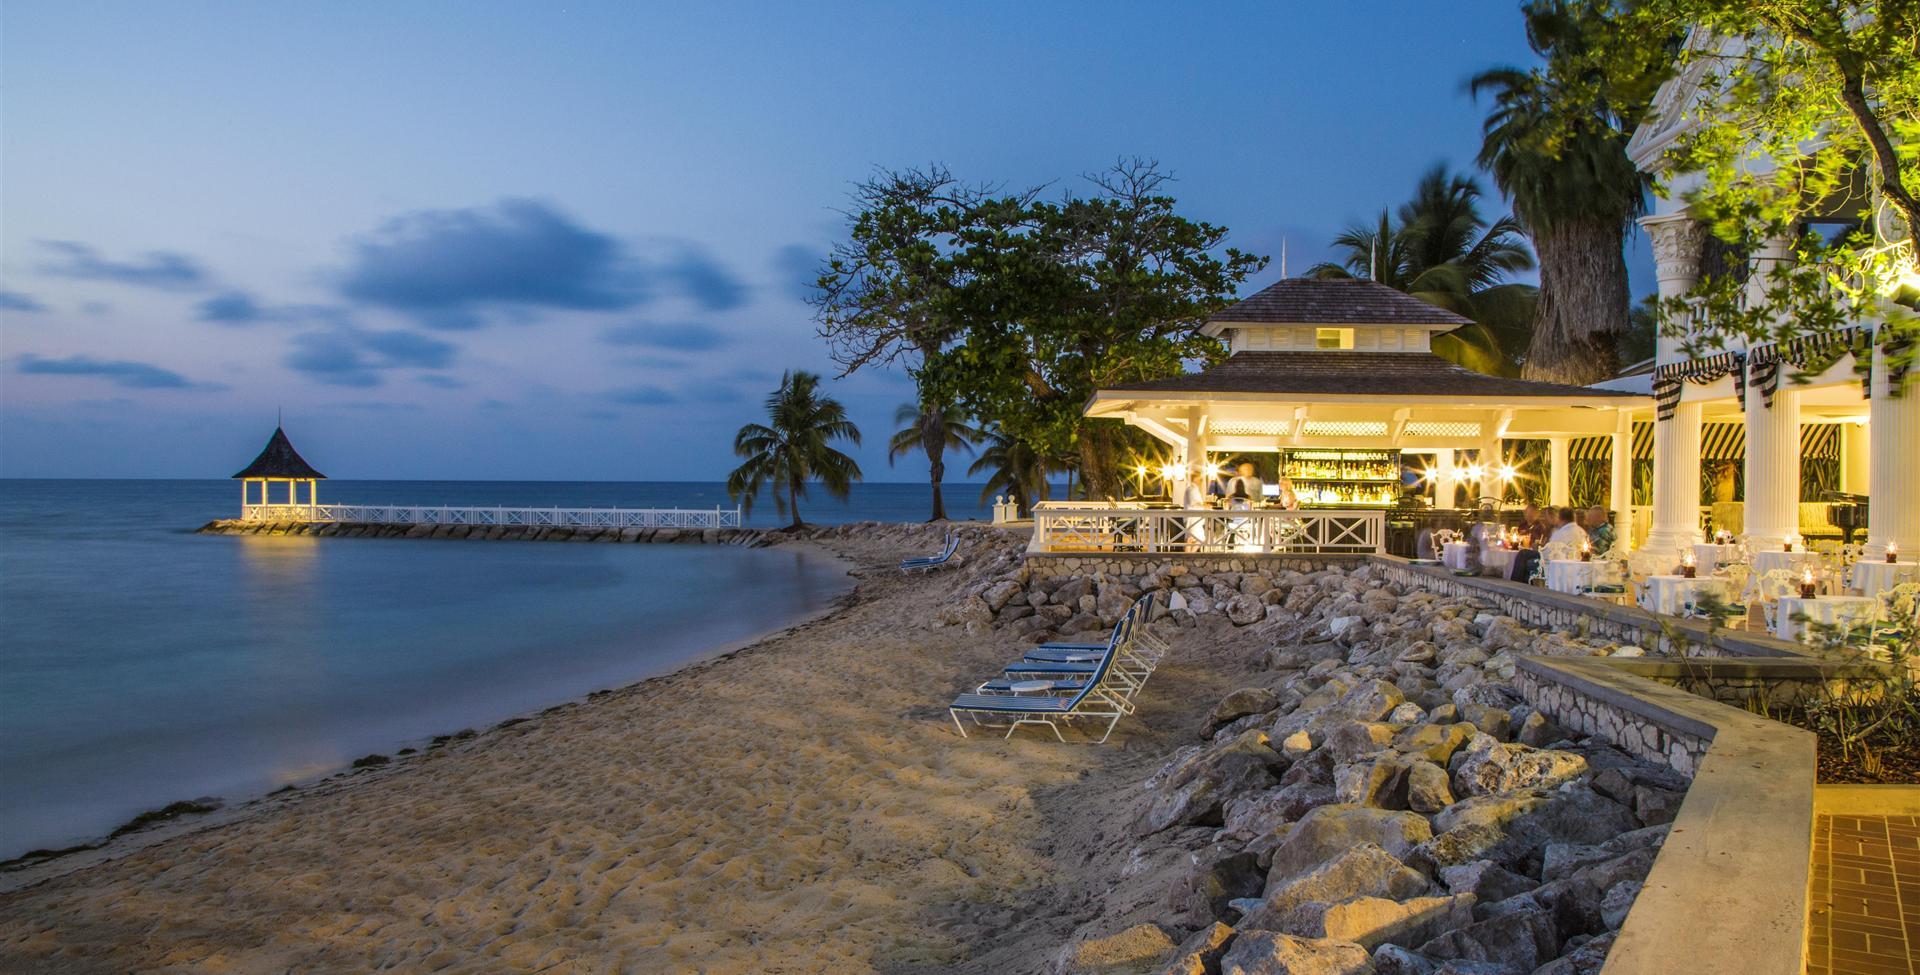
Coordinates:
x,y
141,663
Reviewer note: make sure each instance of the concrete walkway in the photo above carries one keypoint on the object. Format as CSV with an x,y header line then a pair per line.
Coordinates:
x,y
1864,908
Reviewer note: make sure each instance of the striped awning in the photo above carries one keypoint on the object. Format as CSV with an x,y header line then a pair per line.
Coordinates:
x,y
1718,441
1810,353
1668,379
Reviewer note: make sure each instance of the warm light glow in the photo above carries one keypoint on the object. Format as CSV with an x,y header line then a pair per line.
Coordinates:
x,y
1687,559
1806,577
1475,472
1507,472
1171,472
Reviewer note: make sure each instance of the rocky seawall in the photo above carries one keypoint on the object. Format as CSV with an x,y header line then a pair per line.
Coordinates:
x,y
745,537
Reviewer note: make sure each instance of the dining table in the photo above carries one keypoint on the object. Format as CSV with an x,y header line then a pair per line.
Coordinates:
x,y
1796,561
1570,575
1708,556
1875,577
1795,615
1678,595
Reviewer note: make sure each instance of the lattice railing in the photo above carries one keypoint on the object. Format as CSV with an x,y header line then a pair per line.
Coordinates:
x,y
393,514
1121,530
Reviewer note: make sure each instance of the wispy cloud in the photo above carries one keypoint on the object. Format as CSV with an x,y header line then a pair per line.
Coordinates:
x,y
347,356
677,336
231,308
797,267
448,267
644,396
120,372
704,280
16,301
167,270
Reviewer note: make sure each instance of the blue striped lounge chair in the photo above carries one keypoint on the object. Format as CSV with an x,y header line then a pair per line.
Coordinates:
x,y
1094,701
925,563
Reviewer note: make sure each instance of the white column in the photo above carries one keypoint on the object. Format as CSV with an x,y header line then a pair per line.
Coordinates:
x,y
1676,242
1893,434
1443,482
1559,492
1490,457
1773,468
1620,484
1856,458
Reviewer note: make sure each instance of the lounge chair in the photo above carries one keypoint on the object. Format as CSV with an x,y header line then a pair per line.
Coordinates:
x,y
1095,700
925,563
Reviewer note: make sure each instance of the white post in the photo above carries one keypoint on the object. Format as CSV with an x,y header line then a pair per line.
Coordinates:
x,y
1490,459
1893,432
1677,239
1559,489
1772,509
1620,484
1443,482
1856,453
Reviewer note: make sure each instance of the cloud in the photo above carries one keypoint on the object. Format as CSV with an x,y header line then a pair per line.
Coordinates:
x,y
96,308
713,392
16,301
120,372
347,356
678,336
231,308
644,396
797,266
166,270
446,267
702,279
441,381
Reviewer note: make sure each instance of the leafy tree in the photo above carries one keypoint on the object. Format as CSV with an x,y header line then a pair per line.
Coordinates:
x,y
919,427
794,446
1441,249
1015,469
1555,142
1059,299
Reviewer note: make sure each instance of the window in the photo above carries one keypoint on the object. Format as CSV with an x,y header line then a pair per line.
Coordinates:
x,y
1333,338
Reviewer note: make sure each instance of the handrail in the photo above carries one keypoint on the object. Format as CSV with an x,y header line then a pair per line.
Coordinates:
x,y
1083,528
395,514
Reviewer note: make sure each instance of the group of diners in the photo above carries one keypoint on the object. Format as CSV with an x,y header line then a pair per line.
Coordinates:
x,y
1057,684
1565,528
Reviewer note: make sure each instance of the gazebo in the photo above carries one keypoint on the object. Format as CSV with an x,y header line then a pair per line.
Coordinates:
x,y
278,463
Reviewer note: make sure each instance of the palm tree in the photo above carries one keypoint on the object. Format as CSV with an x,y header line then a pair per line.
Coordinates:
x,y
1557,148
1018,471
932,431
1439,248
794,447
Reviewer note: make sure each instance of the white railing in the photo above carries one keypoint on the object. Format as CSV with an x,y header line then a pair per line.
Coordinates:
x,y
402,514
1079,527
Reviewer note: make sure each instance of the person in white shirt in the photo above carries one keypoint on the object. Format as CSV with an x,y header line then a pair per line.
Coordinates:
x,y
1247,483
1568,535
1192,492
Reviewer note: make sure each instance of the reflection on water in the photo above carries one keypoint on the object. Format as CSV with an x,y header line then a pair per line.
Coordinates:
x,y
143,664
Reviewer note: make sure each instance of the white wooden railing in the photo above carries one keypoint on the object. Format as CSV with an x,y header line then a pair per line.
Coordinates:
x,y
1081,527
403,514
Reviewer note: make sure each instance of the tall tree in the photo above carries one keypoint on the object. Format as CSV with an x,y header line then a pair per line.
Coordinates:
x,y
1555,142
1440,248
920,426
1013,468
793,447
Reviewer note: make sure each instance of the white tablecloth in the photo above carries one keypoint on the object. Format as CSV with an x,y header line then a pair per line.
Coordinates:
x,y
1796,560
1676,595
1707,556
1570,575
1824,609
1498,560
1453,555
1873,578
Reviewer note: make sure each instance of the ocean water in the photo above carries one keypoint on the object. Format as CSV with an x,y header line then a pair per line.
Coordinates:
x,y
141,663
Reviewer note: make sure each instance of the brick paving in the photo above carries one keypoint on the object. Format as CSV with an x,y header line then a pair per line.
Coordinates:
x,y
1864,912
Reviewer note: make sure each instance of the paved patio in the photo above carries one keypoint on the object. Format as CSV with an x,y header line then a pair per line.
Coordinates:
x,y
1864,908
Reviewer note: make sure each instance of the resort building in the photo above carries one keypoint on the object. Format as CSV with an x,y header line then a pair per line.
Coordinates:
x,y
278,463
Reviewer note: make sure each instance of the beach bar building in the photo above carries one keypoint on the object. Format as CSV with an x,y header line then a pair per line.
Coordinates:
x,y
278,463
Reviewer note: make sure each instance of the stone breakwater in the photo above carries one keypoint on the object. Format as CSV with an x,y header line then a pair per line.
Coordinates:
x,y
1377,798
746,537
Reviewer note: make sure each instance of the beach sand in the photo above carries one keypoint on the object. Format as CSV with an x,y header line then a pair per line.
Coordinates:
x,y
803,805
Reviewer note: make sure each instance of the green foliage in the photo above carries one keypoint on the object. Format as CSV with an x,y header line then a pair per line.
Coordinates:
x,y
794,446
1013,469
932,430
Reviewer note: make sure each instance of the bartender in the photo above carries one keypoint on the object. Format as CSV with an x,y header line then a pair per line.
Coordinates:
x,y
1247,483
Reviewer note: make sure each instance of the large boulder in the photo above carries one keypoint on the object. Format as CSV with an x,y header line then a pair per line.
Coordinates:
x,y
1524,940
1248,816
1350,740
1371,700
1218,877
1491,768
1141,948
1243,610
1434,742
1364,870
1273,953
1237,705
1195,789
1373,921
1200,953
1427,789
1328,830
1000,593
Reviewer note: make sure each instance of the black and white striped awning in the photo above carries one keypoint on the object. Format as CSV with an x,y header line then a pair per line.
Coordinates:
x,y
1718,441
1810,353
1668,379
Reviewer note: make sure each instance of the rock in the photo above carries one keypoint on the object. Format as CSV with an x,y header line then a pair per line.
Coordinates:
x,y
1363,870
1242,610
1392,959
1220,877
1140,948
1406,713
999,594
1373,921
1434,742
1420,652
1616,903
1194,789
1259,815
1427,790
1273,953
1200,953
1239,704
1296,745
1350,740
1506,633
1371,700
1615,785
1491,768
1497,722
1327,830
1588,959
1523,939
1340,626
1538,732
1656,807
1486,880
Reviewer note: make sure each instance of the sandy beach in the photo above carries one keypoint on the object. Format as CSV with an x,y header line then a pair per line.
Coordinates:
x,y
802,805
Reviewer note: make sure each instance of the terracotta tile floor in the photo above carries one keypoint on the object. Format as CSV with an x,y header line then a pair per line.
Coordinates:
x,y
1865,908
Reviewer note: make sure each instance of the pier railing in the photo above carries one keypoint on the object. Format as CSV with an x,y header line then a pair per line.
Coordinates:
x,y
403,514
1117,529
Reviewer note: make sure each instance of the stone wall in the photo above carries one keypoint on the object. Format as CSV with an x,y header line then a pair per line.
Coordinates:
x,y
1094,564
1632,729
749,537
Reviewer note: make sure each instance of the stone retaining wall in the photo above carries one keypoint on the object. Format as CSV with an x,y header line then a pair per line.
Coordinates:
x,y
1652,734
1066,566
748,537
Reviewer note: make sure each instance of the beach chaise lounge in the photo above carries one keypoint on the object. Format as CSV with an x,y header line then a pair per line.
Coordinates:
x,y
1094,701
934,561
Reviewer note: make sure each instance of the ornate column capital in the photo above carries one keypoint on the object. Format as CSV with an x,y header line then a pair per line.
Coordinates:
x,y
1677,239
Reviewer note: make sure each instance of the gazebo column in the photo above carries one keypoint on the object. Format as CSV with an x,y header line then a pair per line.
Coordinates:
x,y
1677,239
1893,433
1620,483
1772,508
1490,484
1444,483
1559,491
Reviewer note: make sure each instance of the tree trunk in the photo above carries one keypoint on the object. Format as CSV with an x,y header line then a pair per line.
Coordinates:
x,y
933,440
793,502
1097,471
1583,306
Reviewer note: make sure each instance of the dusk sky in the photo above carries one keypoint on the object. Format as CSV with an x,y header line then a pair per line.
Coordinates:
x,y
569,241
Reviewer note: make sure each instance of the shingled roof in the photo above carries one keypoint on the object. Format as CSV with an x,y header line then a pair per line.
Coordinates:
x,y
1334,301
279,459
1363,373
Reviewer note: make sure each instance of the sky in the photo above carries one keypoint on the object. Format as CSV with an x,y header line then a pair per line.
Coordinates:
x,y
570,241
